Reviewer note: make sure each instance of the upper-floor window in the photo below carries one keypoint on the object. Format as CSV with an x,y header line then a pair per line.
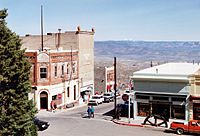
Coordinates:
x,y
74,67
63,69
67,68
56,71
43,72
68,92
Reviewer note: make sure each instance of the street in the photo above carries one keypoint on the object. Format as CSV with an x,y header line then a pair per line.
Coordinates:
x,y
73,123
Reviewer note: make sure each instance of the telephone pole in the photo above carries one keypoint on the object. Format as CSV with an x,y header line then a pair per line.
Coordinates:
x,y
115,86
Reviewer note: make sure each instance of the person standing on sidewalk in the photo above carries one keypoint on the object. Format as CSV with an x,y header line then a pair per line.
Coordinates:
x,y
89,111
92,111
52,106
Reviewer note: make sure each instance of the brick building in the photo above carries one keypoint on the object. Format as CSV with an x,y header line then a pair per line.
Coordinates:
x,y
64,70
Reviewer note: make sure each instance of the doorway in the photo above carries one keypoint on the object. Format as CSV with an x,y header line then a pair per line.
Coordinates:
x,y
43,100
161,109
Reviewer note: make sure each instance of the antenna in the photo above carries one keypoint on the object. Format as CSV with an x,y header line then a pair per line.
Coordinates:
x,y
42,27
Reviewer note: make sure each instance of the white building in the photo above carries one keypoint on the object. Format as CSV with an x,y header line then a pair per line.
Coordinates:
x,y
163,88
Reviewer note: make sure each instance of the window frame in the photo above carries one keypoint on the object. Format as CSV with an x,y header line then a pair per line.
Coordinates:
x,y
43,73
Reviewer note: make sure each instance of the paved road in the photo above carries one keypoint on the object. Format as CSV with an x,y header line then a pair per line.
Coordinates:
x,y
71,123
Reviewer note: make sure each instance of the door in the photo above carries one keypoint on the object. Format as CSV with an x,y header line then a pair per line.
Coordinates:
x,y
161,109
43,100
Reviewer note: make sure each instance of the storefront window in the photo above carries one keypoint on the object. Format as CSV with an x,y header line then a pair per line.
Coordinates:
x,y
178,112
196,111
143,109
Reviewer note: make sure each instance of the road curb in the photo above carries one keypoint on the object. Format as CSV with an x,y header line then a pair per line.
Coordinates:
x,y
127,124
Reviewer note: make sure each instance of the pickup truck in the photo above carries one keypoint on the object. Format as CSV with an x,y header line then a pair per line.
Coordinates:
x,y
193,126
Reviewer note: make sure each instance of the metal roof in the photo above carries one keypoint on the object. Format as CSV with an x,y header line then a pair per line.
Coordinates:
x,y
174,71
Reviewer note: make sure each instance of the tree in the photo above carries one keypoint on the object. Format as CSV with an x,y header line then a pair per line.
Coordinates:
x,y
16,110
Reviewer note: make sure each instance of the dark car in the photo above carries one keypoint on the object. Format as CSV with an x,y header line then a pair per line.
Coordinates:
x,y
123,109
42,125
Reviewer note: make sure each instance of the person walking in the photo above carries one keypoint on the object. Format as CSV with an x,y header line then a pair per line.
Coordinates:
x,y
92,111
52,106
89,112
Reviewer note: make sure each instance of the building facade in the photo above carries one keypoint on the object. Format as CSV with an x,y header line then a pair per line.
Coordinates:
x,y
81,43
109,77
54,77
164,89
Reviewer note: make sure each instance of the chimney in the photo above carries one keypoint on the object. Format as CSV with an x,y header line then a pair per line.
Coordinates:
x,y
58,44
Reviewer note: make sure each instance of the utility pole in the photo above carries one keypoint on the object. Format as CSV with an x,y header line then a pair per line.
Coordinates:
x,y
115,85
42,27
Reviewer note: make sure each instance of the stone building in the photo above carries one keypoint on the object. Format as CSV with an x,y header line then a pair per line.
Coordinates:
x,y
81,45
169,88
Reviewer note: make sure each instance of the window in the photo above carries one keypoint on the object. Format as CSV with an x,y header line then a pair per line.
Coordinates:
x,y
161,98
74,67
178,99
143,109
178,111
55,71
142,97
74,92
67,68
67,91
63,69
43,72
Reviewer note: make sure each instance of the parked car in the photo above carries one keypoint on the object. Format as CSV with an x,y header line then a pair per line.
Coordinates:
x,y
123,109
42,125
128,92
193,126
92,102
108,97
98,98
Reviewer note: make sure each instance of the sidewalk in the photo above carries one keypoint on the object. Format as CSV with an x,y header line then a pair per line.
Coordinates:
x,y
138,122
125,121
44,113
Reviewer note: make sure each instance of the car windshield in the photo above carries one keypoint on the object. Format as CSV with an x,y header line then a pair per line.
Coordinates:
x,y
95,97
107,94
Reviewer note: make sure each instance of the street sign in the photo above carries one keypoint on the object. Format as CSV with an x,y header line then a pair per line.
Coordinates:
x,y
125,97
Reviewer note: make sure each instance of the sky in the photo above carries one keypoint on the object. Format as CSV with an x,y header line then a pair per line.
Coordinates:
x,y
148,20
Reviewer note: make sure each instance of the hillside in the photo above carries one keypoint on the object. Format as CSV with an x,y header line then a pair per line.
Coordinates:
x,y
136,55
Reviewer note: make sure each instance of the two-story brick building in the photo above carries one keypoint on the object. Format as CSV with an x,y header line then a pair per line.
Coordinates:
x,y
54,76
64,70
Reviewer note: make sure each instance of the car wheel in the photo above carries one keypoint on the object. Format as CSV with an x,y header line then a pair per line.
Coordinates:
x,y
179,131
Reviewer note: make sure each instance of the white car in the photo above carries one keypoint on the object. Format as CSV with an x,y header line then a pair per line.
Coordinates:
x,y
96,100
128,92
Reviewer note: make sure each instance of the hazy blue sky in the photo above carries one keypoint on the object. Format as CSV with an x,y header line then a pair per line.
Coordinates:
x,y
112,19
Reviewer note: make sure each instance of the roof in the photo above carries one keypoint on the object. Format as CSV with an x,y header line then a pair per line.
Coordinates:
x,y
174,71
